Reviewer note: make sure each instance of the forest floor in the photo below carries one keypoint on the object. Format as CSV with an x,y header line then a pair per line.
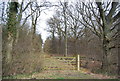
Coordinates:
x,y
62,74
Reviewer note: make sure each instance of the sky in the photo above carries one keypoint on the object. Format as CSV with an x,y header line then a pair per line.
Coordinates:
x,y
42,25
45,15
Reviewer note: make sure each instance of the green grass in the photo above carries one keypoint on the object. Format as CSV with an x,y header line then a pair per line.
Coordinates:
x,y
60,78
18,76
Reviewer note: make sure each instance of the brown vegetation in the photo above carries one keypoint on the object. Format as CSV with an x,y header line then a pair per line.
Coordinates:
x,y
24,60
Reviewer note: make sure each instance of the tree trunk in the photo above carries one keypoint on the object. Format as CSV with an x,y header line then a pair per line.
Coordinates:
x,y
11,30
66,49
18,28
9,47
17,36
33,28
75,47
65,23
33,36
59,47
105,63
118,46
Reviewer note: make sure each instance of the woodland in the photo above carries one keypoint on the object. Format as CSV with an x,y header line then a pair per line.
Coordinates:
x,y
88,29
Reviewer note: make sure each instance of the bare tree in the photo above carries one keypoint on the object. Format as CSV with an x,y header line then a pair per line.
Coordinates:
x,y
59,22
21,10
52,29
101,19
65,23
59,30
76,28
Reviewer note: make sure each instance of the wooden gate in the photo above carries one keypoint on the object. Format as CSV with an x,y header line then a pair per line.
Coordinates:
x,y
68,60
66,63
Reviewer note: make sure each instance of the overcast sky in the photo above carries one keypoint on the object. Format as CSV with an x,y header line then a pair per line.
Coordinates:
x,y
45,15
42,25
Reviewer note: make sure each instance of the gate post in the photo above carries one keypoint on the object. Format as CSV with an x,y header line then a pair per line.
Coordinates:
x,y
78,62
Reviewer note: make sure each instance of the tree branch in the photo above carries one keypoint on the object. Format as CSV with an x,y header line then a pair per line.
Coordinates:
x,y
116,17
112,10
26,6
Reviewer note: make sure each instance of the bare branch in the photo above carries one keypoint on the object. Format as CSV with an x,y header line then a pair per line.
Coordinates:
x,y
112,10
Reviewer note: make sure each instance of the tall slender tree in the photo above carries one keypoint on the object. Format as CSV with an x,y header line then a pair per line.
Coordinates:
x,y
65,24
11,29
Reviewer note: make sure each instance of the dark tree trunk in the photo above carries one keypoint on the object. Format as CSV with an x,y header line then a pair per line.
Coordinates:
x,y
9,47
118,46
11,30
105,63
59,47
75,47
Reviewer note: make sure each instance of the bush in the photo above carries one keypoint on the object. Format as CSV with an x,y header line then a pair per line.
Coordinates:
x,y
24,59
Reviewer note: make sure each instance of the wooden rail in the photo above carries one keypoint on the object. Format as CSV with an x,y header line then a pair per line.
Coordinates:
x,y
73,61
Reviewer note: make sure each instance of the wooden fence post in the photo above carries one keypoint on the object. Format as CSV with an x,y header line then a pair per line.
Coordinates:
x,y
78,62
